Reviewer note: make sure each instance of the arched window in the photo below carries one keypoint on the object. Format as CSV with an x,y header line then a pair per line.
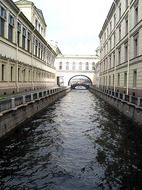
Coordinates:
x,y
67,65
80,66
87,66
60,66
73,66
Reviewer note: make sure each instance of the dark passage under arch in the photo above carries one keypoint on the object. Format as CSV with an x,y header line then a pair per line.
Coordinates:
x,y
80,81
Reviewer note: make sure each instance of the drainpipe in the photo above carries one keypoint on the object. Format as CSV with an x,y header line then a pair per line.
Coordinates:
x,y
32,48
17,56
115,53
128,65
32,57
107,67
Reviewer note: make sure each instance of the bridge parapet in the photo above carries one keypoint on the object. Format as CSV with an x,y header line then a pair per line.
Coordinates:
x,y
73,86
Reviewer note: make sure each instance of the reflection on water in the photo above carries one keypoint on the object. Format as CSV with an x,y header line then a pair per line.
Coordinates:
x,y
79,143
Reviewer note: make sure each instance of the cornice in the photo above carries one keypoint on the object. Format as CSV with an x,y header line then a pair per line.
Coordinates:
x,y
71,56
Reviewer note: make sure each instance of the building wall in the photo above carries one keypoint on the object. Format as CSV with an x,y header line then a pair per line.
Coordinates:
x,y
121,48
33,14
69,66
26,59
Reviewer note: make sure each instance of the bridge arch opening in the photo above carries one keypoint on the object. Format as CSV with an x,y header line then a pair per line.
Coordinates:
x,y
80,81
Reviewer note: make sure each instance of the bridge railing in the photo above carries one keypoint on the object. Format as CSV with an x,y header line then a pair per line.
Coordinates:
x,y
134,100
12,103
73,86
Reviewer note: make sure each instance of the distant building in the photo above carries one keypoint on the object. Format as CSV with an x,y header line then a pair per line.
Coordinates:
x,y
121,48
26,59
70,66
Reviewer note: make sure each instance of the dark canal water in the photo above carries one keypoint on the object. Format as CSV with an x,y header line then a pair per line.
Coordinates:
x,y
79,143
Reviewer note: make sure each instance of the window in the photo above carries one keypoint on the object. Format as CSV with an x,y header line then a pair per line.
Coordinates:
x,y
3,72
114,20
73,66
2,23
23,74
2,20
107,48
10,28
29,74
24,38
110,43
104,49
18,74
39,50
119,11
18,33
125,79
93,66
67,65
44,32
104,66
136,45
110,26
135,78
110,61
114,38
36,23
41,31
11,73
126,51
2,12
136,12
80,66
36,45
39,27
119,56
87,66
118,79
60,66
126,25
120,32
126,3
113,79
104,36
104,80
113,59
28,41
44,50
109,80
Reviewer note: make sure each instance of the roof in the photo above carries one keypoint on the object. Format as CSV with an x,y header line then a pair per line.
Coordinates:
x,y
109,15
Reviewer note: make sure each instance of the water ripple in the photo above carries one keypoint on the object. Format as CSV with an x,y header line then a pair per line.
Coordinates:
x,y
79,143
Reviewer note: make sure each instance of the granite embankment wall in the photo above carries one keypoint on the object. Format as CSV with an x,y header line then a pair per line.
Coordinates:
x,y
130,106
14,111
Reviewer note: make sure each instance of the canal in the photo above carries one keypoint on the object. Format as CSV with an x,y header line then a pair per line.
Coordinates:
x,y
79,143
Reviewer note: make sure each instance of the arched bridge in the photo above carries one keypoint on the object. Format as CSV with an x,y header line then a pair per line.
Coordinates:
x,y
73,86
70,66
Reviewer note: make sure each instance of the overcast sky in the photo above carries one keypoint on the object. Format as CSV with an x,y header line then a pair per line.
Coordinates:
x,y
74,24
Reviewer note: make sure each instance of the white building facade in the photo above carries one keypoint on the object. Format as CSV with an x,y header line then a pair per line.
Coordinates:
x,y
70,66
120,66
26,59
